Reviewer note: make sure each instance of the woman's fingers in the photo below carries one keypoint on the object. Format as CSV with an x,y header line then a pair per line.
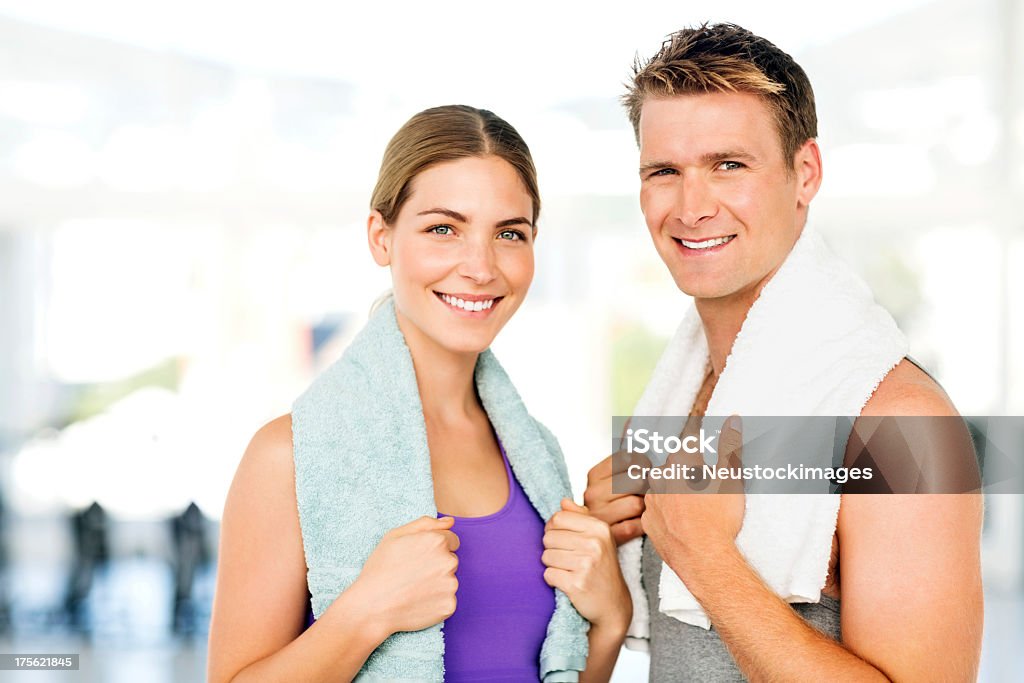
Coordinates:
x,y
424,523
558,578
572,520
451,539
561,559
560,539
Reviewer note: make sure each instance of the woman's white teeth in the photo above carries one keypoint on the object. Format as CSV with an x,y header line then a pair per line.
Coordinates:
x,y
468,305
706,244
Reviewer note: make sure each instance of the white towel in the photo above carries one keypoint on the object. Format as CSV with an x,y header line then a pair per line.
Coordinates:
x,y
814,343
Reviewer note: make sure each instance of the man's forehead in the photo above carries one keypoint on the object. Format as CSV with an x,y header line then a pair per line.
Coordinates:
x,y
749,104
705,124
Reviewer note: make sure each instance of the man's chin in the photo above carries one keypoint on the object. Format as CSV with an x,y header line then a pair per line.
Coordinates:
x,y
700,290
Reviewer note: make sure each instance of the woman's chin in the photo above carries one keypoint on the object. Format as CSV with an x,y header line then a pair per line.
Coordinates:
x,y
467,344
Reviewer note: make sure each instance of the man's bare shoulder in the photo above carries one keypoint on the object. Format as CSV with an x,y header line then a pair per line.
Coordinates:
x,y
908,390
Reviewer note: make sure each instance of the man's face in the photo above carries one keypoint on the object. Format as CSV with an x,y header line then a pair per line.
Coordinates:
x,y
722,205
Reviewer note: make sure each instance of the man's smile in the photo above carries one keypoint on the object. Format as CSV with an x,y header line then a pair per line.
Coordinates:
x,y
710,245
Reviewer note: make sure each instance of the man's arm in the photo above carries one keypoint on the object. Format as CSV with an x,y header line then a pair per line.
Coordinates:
x,y
910,580
912,600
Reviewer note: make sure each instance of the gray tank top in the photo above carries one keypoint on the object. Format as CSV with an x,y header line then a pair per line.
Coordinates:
x,y
682,652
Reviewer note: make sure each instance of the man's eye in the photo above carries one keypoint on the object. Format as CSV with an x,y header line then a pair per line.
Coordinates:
x,y
730,165
441,230
663,171
511,235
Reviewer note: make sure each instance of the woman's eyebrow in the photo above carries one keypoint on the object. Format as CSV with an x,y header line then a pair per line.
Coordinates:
x,y
454,215
519,220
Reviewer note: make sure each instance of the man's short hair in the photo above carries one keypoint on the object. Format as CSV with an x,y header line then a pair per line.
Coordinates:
x,y
728,58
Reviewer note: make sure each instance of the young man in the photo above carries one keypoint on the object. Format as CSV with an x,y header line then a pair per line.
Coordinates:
x,y
726,126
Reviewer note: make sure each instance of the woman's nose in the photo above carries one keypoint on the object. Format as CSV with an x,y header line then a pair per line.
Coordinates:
x,y
478,262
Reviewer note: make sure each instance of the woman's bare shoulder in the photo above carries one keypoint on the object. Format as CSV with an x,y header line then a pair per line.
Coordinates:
x,y
261,585
266,472
271,446
275,437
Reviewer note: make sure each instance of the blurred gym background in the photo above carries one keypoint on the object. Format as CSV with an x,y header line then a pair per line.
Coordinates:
x,y
183,194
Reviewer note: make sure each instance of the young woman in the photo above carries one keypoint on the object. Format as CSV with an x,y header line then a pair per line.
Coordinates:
x,y
454,216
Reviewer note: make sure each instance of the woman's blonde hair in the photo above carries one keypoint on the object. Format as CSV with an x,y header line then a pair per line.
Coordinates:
x,y
444,134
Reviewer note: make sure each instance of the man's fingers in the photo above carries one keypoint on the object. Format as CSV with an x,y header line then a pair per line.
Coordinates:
x,y
730,443
601,470
573,506
623,460
625,485
627,530
621,508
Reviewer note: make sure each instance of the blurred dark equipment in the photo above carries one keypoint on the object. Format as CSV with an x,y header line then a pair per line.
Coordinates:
x,y
90,531
190,554
5,594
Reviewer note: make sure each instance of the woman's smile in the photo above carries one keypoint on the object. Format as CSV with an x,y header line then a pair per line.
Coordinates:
x,y
469,305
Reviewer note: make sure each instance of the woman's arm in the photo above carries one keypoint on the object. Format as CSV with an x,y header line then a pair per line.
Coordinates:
x,y
605,645
406,584
259,605
582,561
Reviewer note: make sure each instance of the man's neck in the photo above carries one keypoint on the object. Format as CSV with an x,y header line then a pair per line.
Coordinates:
x,y
722,319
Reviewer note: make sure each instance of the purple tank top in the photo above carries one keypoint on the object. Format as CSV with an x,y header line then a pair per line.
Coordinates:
x,y
504,604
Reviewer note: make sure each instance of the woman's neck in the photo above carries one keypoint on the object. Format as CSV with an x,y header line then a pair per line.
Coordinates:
x,y
445,378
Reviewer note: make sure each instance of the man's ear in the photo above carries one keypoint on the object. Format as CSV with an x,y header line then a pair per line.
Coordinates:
x,y
378,235
807,165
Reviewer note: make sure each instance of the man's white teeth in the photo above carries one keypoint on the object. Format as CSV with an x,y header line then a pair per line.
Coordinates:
x,y
706,244
468,305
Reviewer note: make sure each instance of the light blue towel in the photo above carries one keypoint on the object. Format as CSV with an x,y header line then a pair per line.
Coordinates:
x,y
362,468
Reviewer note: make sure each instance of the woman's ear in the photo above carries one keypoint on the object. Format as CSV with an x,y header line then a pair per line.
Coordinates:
x,y
379,238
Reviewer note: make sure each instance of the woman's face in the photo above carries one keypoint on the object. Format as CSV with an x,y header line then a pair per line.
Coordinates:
x,y
460,251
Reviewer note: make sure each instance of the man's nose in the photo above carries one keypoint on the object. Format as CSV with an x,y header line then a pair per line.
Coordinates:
x,y
477,261
695,201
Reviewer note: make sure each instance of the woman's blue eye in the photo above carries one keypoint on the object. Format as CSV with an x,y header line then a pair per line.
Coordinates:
x,y
511,235
441,230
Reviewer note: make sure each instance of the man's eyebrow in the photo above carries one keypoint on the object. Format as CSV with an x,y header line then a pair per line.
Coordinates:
x,y
651,165
518,220
454,215
715,157
709,158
